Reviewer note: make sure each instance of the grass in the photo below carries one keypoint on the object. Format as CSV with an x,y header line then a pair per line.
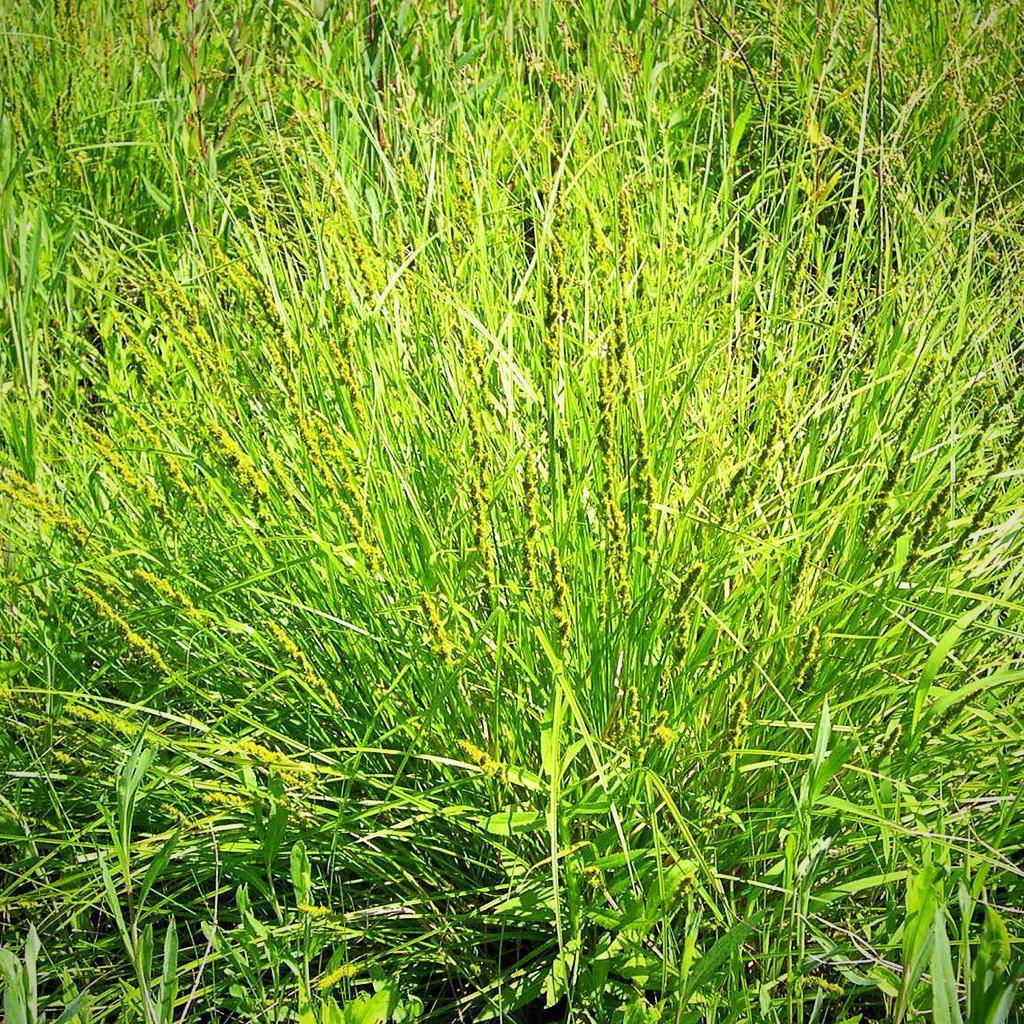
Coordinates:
x,y
511,512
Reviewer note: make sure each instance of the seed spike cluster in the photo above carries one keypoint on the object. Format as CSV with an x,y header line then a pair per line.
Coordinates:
x,y
483,760
648,490
615,523
738,723
882,497
555,308
479,502
146,648
439,635
663,734
249,476
799,578
932,513
27,495
681,617
127,474
176,595
298,658
345,366
803,677
559,597
531,538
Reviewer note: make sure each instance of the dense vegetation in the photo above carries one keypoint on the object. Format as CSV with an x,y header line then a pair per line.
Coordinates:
x,y
511,511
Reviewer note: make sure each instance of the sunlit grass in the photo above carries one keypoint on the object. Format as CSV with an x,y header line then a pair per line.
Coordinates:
x,y
511,512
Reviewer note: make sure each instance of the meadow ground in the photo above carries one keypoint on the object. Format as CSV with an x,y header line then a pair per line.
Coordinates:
x,y
511,511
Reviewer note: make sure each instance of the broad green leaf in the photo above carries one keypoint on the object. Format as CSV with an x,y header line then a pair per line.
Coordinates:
x,y
157,865
938,656
375,1009
945,998
300,870
168,990
922,903
511,822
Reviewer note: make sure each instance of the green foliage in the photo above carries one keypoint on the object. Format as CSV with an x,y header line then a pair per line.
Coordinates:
x,y
511,512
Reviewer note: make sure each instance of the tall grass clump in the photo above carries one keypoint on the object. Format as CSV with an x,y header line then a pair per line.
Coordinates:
x,y
511,512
